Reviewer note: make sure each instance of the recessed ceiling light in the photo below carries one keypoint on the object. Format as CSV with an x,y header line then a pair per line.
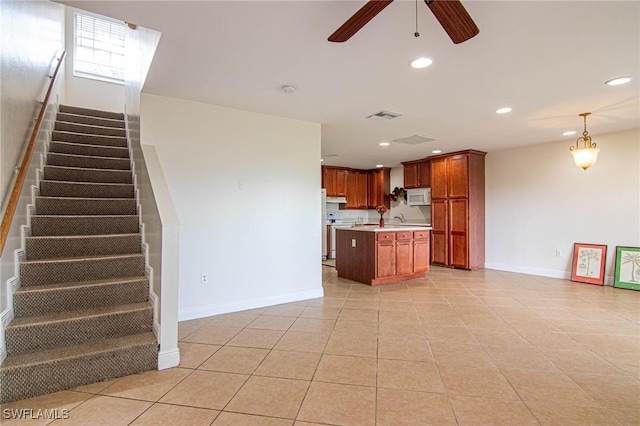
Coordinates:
x,y
503,110
436,151
379,165
384,144
569,133
420,63
618,81
321,160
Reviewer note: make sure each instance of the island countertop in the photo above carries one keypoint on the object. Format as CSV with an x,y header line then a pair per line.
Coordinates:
x,y
391,228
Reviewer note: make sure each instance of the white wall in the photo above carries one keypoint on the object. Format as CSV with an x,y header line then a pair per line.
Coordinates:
x,y
246,190
87,92
417,214
32,39
538,201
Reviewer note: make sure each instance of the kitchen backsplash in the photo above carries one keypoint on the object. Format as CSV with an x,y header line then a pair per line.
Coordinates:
x,y
415,214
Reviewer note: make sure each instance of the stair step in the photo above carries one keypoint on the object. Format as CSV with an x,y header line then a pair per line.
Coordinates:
x,y
53,298
48,247
79,174
94,121
60,147
91,112
54,188
88,139
85,161
85,206
51,225
30,375
88,129
61,270
71,328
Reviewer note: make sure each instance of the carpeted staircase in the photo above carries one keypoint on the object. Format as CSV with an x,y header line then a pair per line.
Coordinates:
x,y
82,313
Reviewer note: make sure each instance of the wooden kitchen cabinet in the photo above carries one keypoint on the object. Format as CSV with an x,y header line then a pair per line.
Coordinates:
x,y
378,187
356,189
417,174
421,257
457,209
334,180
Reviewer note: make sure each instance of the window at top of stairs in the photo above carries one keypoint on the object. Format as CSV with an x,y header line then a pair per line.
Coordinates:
x,y
98,48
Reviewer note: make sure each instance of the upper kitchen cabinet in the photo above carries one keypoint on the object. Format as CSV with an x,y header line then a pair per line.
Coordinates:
x,y
457,209
379,187
334,180
356,189
417,174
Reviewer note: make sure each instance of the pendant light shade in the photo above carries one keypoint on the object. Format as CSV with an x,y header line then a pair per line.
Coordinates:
x,y
586,156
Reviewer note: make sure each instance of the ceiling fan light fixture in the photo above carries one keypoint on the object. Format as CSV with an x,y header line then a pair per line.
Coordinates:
x,y
618,81
420,63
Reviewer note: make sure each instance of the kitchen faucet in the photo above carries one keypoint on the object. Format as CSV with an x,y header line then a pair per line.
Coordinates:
x,y
401,217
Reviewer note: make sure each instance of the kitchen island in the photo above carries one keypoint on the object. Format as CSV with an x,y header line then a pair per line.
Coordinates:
x,y
373,255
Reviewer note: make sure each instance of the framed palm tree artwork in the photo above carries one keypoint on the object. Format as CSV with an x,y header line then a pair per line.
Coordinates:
x,y
627,273
588,263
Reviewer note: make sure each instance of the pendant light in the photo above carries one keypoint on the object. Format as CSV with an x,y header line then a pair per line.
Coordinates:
x,y
585,157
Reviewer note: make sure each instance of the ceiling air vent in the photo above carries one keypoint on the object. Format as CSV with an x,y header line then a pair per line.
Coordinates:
x,y
384,115
414,140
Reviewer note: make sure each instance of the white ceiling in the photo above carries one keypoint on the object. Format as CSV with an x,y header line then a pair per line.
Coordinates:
x,y
548,60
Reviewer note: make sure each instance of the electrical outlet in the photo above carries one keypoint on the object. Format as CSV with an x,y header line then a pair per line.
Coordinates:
x,y
353,242
558,253
204,279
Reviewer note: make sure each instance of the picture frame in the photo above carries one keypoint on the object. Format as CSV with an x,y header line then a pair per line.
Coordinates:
x,y
627,273
589,261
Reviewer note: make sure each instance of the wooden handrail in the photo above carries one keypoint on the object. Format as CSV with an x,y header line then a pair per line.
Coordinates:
x,y
24,167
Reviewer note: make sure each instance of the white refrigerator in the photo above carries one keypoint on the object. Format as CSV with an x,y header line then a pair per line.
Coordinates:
x,y
323,221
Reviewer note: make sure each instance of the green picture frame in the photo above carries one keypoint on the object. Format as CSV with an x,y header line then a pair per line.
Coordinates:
x,y
627,274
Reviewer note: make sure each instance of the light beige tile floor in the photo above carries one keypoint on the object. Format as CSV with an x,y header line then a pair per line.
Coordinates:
x,y
458,347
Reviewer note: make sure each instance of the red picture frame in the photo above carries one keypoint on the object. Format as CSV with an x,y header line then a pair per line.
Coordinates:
x,y
589,262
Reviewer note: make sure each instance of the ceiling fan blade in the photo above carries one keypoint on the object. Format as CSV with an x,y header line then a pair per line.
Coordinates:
x,y
359,20
454,19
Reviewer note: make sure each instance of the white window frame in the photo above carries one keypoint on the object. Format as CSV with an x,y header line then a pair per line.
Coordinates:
x,y
107,42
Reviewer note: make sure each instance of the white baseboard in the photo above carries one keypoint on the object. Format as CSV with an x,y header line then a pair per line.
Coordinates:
x,y
543,272
169,359
243,305
5,318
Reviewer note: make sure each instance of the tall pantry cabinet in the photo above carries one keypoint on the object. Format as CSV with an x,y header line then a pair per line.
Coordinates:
x,y
457,209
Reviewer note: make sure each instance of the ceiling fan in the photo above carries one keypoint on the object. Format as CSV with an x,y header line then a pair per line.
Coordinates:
x,y
450,13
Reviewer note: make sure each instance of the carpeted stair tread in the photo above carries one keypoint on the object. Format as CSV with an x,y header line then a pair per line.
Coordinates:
x,y
87,119
69,328
56,188
91,112
52,298
88,129
47,247
85,206
85,174
58,135
76,315
61,147
88,161
54,225
28,375
54,271
76,351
